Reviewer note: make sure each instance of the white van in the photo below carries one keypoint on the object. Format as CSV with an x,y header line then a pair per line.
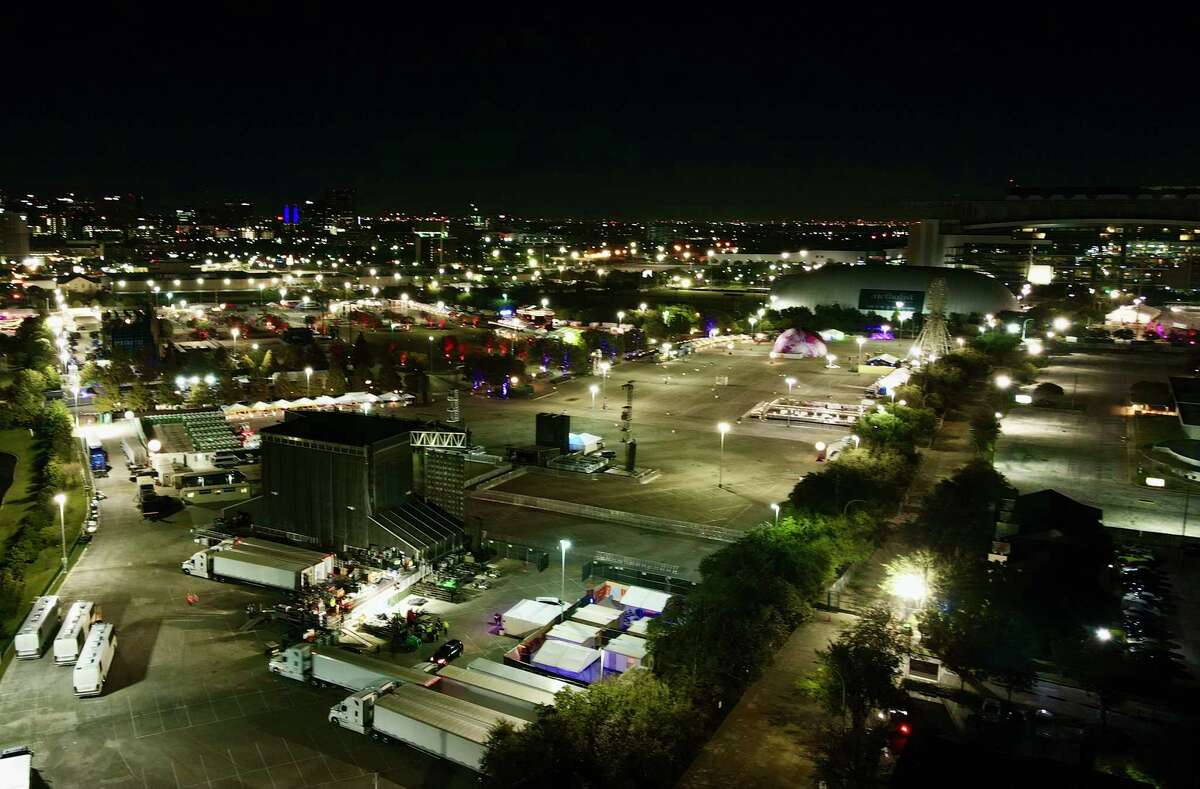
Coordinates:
x,y
35,632
69,641
95,660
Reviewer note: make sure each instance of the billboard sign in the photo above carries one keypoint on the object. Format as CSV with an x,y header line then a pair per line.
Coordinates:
x,y
884,301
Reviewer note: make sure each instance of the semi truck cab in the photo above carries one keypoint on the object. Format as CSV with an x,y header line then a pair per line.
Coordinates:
x,y
295,662
356,712
197,565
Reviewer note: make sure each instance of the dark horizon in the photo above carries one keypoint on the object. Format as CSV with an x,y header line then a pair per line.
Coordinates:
x,y
711,118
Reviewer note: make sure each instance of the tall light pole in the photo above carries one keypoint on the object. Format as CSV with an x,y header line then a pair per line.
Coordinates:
x,y
860,341
75,391
61,500
562,595
431,353
900,306
604,368
775,507
235,332
593,389
722,428
308,381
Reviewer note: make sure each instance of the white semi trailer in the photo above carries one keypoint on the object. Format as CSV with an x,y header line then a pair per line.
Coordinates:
x,y
16,768
325,666
442,725
234,560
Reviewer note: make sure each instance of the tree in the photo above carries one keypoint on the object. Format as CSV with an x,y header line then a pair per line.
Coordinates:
x,y
632,731
985,429
957,519
335,378
361,357
140,398
28,392
54,430
1049,394
864,662
199,395
874,479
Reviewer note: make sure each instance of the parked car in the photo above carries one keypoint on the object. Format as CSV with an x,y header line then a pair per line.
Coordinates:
x,y
447,652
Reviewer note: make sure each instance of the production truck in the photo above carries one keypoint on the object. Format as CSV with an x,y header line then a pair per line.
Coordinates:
x,y
43,619
16,768
277,568
70,639
325,666
441,725
91,669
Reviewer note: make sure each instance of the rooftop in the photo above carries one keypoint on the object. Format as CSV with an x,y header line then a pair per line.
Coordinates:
x,y
349,429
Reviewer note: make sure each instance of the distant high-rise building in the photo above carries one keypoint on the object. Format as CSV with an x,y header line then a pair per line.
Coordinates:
x,y
14,235
338,207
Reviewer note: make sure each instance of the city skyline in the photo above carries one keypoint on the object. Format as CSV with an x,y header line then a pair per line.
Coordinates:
x,y
584,117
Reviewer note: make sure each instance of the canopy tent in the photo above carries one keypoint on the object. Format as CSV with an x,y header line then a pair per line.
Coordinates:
x,y
261,406
235,408
281,403
640,627
325,400
650,601
1129,313
389,397
799,342
598,615
624,652
884,360
832,335
303,402
527,616
575,633
890,382
569,660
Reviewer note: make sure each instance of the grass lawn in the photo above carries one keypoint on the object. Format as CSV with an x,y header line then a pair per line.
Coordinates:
x,y
17,501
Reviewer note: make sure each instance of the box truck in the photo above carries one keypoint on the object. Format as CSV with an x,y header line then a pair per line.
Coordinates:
x,y
43,619
16,767
91,669
441,725
325,666
71,637
234,560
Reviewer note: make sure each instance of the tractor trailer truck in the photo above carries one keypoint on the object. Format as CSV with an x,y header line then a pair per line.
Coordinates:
x,y
330,666
277,568
444,726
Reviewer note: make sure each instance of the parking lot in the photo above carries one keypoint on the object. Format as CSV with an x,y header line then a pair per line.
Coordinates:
x,y
189,701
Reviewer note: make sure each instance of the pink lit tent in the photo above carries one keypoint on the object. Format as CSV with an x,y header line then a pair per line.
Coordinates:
x,y
800,342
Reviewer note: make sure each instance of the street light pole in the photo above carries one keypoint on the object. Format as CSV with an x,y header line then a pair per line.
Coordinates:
x,y
562,594
593,389
61,500
722,428
775,507
308,381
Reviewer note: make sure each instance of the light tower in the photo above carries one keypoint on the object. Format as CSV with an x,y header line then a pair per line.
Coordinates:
x,y
934,339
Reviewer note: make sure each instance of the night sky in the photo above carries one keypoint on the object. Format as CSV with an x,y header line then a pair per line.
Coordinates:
x,y
616,114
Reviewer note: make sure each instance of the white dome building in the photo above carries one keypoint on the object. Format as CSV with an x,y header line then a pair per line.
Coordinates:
x,y
878,288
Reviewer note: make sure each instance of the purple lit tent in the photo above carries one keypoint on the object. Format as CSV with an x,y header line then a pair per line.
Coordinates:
x,y
800,342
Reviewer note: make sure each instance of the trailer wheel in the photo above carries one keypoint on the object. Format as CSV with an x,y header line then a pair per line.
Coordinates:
x,y
186,571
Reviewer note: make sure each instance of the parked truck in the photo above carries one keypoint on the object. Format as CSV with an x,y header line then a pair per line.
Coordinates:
x,y
71,637
91,669
441,725
325,666
16,767
235,560
37,629
97,457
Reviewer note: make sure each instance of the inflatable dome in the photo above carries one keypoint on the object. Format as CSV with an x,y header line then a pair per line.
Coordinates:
x,y
800,342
